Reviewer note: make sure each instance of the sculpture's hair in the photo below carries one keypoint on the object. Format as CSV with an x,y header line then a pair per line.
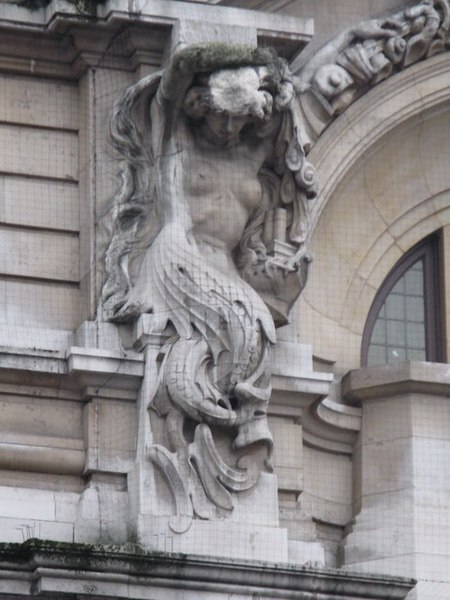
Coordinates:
x,y
197,103
134,218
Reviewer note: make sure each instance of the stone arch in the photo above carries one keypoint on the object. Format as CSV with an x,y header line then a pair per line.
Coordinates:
x,y
383,167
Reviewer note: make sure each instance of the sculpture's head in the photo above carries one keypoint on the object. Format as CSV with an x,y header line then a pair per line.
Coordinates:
x,y
228,100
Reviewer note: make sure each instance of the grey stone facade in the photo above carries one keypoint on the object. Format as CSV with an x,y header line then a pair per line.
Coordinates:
x,y
304,475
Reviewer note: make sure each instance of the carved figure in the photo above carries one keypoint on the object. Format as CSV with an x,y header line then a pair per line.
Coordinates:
x,y
362,56
207,236
208,231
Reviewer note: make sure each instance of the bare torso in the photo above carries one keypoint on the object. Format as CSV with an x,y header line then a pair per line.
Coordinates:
x,y
222,190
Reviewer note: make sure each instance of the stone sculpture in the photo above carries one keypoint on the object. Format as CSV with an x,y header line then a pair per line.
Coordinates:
x,y
209,231
363,56
207,235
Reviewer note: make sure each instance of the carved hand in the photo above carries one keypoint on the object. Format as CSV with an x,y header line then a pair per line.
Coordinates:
x,y
280,281
385,28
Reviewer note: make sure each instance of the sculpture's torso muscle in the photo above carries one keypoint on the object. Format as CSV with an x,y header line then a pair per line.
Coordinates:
x,y
222,182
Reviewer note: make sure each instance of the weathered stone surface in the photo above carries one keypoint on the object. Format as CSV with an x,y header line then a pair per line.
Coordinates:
x,y
386,204
366,54
402,491
60,570
72,422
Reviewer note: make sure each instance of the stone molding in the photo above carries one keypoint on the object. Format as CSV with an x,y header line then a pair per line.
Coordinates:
x,y
63,42
392,104
77,369
382,382
59,570
84,374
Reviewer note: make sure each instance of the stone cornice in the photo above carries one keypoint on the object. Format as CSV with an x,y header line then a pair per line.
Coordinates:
x,y
78,369
56,568
81,373
60,41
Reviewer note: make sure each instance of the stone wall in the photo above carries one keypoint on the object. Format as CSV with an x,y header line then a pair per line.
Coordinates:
x,y
39,207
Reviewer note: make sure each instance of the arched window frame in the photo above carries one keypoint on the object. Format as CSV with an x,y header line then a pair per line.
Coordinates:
x,y
428,250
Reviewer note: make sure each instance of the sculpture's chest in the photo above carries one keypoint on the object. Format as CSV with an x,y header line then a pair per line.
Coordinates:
x,y
222,177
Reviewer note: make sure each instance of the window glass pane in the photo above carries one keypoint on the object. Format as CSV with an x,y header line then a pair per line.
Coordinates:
x,y
399,330
396,354
416,354
415,309
399,287
379,332
414,281
396,333
377,355
415,334
395,306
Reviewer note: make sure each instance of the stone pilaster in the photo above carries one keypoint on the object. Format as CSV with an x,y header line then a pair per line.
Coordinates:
x,y
402,495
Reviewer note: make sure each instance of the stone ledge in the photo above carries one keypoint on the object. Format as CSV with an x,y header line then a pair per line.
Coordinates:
x,y
79,368
24,456
390,380
62,569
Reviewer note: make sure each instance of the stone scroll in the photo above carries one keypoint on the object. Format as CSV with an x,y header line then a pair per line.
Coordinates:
x,y
207,237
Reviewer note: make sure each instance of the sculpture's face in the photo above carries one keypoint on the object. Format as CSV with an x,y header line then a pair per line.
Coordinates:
x,y
228,100
235,100
223,127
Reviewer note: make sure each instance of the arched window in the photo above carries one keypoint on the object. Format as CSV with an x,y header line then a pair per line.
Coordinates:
x,y
404,320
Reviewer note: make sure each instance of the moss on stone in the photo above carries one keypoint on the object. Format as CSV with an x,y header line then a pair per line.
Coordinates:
x,y
84,7
204,58
207,57
33,4
82,557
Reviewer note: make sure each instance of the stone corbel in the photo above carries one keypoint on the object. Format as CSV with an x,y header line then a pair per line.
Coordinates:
x,y
327,425
92,368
